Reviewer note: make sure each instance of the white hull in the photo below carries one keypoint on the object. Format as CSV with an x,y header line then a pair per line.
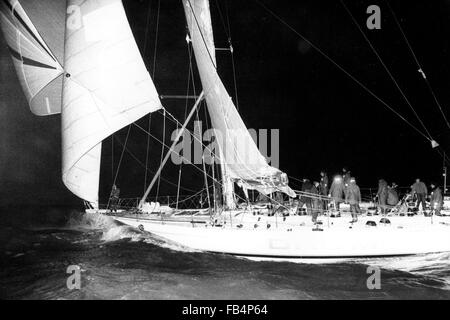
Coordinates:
x,y
339,240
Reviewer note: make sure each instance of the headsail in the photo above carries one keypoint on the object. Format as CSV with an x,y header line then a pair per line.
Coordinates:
x,y
34,32
243,161
106,87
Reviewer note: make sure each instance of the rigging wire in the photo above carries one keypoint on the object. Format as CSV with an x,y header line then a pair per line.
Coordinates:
x,y
191,77
390,74
273,14
147,154
119,164
222,20
185,116
233,64
143,166
386,68
112,157
121,155
162,152
156,40
227,29
168,147
430,88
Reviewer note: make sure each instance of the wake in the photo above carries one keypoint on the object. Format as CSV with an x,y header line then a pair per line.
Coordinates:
x,y
435,266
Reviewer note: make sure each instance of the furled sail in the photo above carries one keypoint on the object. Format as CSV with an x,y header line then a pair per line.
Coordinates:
x,y
106,87
34,33
244,163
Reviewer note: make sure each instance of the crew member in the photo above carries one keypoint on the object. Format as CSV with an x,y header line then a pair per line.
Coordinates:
x,y
353,198
114,199
382,195
346,176
316,202
436,199
420,190
323,188
392,198
337,191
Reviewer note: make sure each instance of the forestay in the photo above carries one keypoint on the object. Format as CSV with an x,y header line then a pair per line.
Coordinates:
x,y
106,88
238,151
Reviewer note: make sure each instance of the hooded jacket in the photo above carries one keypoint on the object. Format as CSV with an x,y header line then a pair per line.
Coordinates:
x,y
392,199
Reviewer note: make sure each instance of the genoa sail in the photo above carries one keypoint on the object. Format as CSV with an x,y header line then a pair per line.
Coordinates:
x,y
238,152
106,87
34,33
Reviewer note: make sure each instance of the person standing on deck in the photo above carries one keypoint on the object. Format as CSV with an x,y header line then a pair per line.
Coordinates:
x,y
436,199
323,185
353,198
420,189
346,175
323,188
337,191
114,199
382,195
392,198
316,202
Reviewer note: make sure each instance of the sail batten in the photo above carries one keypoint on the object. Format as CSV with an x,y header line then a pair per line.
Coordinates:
x,y
239,154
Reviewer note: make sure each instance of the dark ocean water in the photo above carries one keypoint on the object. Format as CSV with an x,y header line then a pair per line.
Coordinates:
x,y
119,262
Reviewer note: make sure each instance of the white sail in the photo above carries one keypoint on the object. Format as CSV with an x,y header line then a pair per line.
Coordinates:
x,y
106,87
37,67
243,161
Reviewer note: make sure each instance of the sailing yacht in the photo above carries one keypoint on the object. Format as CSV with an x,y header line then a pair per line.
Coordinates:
x,y
94,76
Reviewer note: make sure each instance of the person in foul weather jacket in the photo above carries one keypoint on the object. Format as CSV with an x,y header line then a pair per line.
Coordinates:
x,y
337,191
392,198
382,195
436,199
420,189
323,185
114,199
323,188
353,198
346,176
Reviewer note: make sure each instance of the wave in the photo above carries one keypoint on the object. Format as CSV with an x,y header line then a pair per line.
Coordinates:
x,y
114,231
91,221
435,266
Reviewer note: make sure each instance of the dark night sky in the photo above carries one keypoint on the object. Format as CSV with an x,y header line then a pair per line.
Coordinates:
x,y
325,119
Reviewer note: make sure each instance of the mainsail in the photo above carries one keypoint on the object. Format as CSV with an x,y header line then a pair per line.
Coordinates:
x,y
37,55
241,159
106,87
